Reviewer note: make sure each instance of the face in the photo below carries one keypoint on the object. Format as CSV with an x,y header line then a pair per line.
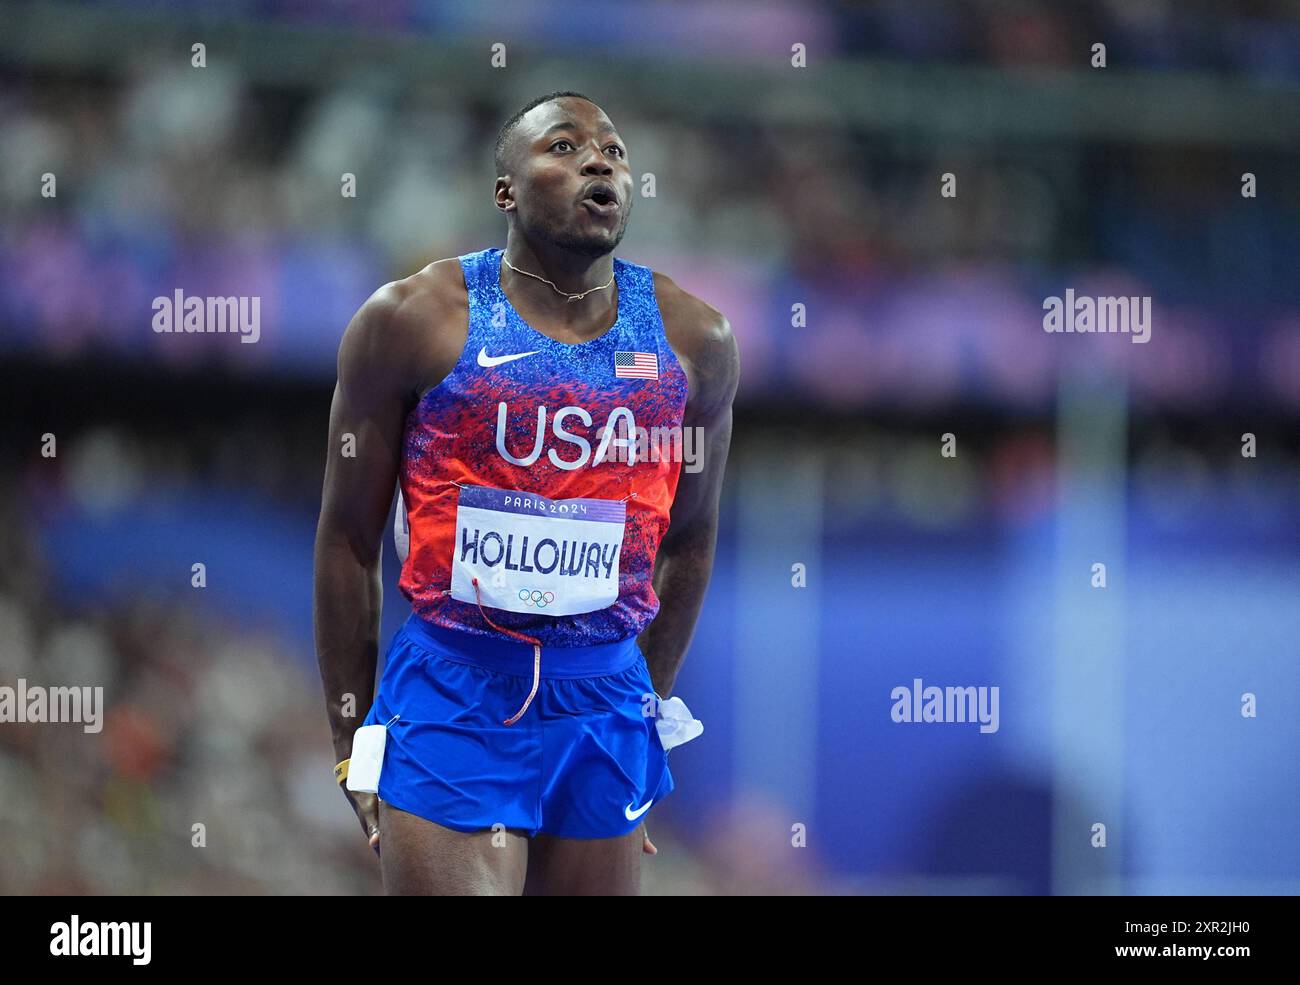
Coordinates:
x,y
569,183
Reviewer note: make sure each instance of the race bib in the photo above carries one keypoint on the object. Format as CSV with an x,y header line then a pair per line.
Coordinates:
x,y
557,557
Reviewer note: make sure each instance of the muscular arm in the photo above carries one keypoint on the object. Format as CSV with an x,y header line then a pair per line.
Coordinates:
x,y
702,338
404,338
365,431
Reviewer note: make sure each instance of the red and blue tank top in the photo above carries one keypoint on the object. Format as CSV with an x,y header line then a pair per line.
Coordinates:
x,y
537,477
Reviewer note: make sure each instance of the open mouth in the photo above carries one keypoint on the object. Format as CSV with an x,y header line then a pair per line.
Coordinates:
x,y
601,200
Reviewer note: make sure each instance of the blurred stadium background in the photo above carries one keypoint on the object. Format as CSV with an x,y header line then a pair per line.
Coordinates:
x,y
776,186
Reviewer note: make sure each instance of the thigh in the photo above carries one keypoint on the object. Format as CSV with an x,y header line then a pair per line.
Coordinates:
x,y
420,858
585,866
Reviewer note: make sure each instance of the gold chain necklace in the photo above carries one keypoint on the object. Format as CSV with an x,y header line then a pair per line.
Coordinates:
x,y
571,297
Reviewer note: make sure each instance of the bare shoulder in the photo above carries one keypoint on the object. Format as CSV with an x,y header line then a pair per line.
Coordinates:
x,y
702,338
409,329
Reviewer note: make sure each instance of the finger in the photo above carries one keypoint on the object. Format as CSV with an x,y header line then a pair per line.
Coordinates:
x,y
370,811
366,807
647,845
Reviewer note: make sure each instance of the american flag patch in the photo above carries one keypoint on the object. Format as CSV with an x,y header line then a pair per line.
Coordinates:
x,y
636,365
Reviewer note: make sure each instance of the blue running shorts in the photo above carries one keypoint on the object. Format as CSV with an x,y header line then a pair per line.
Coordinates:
x,y
584,761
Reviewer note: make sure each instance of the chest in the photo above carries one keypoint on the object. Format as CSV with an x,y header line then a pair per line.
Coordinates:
x,y
572,410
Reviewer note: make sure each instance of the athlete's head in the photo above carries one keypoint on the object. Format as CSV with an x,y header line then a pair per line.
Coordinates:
x,y
563,176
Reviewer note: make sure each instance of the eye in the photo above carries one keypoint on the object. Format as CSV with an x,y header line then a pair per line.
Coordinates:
x,y
618,151
558,142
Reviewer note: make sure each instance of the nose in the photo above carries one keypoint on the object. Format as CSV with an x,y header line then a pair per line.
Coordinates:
x,y
597,164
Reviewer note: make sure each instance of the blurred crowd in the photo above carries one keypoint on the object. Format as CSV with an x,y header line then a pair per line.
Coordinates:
x,y
211,773
1253,36
170,177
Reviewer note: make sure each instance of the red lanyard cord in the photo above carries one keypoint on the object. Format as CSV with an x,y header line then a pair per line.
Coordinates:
x,y
522,637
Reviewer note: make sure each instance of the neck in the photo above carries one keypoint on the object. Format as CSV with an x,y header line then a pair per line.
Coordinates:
x,y
569,272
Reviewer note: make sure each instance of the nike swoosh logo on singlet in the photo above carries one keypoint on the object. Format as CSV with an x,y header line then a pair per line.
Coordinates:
x,y
632,815
487,362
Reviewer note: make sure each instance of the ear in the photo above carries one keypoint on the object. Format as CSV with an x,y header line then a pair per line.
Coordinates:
x,y
503,194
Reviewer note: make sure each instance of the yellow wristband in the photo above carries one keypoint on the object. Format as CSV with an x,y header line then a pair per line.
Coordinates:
x,y
341,771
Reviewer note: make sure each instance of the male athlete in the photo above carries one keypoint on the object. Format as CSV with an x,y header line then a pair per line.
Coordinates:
x,y
502,390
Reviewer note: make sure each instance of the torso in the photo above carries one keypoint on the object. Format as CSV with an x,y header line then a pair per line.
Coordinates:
x,y
580,537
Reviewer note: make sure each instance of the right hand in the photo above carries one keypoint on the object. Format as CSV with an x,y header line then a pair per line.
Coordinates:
x,y
366,806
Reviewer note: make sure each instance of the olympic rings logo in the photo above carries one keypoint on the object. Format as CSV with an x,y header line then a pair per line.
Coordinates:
x,y
539,599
